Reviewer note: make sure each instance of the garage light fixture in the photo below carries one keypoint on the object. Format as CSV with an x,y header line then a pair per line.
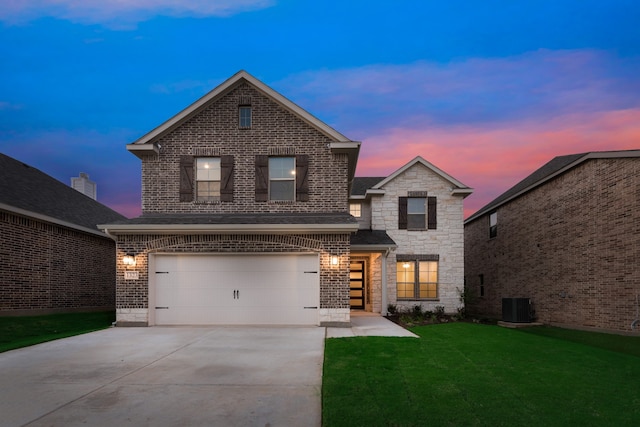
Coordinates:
x,y
129,259
334,260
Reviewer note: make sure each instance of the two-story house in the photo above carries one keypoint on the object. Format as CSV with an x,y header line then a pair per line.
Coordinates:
x,y
246,220
565,239
408,249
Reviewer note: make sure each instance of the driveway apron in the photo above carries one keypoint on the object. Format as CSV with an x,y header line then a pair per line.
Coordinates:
x,y
164,376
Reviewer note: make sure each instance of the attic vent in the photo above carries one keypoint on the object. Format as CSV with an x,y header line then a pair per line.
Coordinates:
x,y
416,194
244,100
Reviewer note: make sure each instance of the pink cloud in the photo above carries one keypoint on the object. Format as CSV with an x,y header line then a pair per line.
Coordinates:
x,y
122,13
491,159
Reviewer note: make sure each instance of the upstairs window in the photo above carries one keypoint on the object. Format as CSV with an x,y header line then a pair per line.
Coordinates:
x,y
417,213
493,225
355,209
208,179
244,114
282,178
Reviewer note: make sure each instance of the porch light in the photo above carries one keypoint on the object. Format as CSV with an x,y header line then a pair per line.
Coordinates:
x,y
129,259
334,260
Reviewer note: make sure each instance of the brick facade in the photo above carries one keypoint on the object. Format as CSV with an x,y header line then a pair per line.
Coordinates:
x,y
47,268
213,131
571,244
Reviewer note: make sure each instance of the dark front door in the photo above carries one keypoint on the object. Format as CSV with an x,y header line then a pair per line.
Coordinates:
x,y
357,285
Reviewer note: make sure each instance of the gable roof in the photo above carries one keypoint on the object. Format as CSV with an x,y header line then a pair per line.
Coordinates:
x,y
364,185
342,145
28,191
556,166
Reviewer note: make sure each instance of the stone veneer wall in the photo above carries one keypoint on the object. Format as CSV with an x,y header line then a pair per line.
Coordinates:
x,y
447,240
133,295
571,245
46,268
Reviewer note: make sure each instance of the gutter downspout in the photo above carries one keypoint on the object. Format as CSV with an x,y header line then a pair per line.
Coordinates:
x,y
383,309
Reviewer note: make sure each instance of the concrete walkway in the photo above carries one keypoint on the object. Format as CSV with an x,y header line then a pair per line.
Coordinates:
x,y
365,324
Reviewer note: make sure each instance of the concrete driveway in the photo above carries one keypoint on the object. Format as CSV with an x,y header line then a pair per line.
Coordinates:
x,y
162,376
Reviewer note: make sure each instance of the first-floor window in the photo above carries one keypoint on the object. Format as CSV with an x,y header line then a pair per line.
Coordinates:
x,y
417,279
208,178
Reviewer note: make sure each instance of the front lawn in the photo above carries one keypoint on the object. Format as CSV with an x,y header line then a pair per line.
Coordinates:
x,y
462,374
17,332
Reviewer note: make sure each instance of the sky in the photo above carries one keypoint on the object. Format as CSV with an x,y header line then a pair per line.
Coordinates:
x,y
487,91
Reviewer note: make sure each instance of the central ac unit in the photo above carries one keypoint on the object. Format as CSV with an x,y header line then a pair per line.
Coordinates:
x,y
516,310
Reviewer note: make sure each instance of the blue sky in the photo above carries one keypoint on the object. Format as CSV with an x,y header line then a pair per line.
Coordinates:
x,y
487,91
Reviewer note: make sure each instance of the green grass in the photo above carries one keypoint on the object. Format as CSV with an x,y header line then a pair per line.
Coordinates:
x,y
462,374
17,332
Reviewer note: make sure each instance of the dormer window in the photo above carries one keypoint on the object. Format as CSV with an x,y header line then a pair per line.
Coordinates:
x,y
355,209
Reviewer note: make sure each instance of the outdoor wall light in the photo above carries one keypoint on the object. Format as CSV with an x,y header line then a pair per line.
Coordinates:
x,y
334,260
129,259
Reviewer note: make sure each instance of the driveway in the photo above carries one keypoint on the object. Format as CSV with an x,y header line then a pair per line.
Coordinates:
x,y
163,376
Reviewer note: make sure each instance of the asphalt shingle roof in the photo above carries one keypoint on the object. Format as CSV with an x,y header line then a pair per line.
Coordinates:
x,y
362,184
220,219
553,166
371,237
27,188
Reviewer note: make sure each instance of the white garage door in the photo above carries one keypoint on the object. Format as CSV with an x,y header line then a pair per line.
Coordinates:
x,y
236,289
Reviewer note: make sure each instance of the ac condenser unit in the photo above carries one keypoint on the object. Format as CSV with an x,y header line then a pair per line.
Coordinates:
x,y
516,310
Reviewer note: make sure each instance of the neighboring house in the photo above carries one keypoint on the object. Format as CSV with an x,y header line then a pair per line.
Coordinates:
x,y
246,220
409,247
53,258
567,237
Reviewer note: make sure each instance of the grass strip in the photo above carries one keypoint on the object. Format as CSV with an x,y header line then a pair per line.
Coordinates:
x,y
17,332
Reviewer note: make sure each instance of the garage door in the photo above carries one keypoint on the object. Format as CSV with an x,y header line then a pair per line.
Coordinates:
x,y
236,289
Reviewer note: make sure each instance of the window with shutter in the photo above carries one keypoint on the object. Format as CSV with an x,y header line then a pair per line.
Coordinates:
x,y
186,178
302,178
262,178
226,183
402,213
432,209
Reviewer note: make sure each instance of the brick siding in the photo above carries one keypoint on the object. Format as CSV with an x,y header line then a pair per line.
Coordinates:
x,y
47,268
571,245
214,131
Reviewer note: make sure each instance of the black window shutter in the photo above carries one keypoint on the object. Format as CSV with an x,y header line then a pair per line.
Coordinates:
x,y
186,178
262,178
402,213
302,178
226,177
432,212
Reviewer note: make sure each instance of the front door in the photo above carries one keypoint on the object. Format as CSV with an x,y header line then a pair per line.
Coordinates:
x,y
356,292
